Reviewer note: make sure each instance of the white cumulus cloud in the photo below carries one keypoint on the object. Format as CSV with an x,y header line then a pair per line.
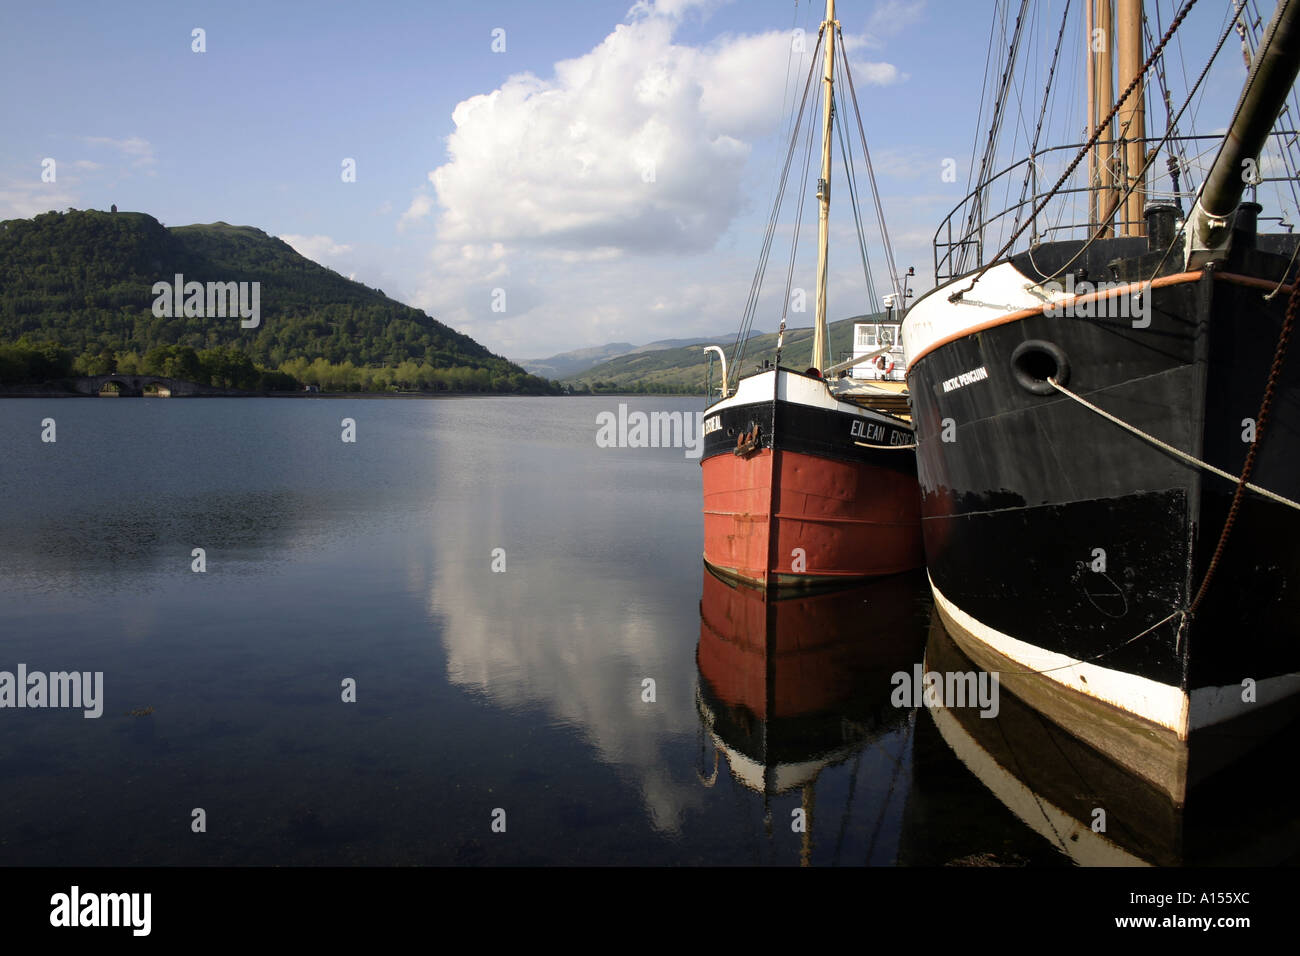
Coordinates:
x,y
586,192
637,145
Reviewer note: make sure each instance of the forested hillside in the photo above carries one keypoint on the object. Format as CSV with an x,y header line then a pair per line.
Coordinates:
x,y
79,286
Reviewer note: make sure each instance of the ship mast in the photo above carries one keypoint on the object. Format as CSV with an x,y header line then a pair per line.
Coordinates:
x,y
820,337
1091,59
1102,41
1132,118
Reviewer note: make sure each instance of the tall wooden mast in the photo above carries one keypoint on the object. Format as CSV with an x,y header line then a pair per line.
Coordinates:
x,y
1132,118
1090,58
1103,42
819,353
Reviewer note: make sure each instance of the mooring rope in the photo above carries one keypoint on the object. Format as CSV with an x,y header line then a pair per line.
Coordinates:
x,y
1186,615
1177,453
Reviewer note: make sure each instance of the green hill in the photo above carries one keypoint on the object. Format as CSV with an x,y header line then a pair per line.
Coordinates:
x,y
684,370
82,281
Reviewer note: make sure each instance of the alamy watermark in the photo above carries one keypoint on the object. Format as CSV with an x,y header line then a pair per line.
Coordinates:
x,y
57,689
215,300
951,690
1099,300
76,909
651,430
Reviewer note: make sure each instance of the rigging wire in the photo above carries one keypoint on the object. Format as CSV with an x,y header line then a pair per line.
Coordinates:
x,y
886,245
1042,113
785,97
851,179
1083,152
971,183
1151,158
976,220
751,304
842,70
1177,159
1287,147
794,243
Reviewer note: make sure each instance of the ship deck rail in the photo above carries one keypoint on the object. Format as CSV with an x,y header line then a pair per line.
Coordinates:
x,y
969,233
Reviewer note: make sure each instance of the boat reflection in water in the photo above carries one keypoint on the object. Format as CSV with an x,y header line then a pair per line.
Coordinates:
x,y
1100,813
790,686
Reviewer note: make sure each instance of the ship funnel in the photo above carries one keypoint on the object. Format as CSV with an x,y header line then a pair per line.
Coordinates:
x,y
1277,61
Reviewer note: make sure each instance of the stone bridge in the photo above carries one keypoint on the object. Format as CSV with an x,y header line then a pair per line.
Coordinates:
x,y
136,385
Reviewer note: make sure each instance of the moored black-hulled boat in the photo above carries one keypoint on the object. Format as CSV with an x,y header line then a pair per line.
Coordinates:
x,y
1070,403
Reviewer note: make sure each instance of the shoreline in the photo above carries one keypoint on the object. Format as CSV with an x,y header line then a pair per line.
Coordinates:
x,y
308,395
15,391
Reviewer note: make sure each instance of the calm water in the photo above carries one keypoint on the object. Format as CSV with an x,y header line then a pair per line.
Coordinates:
x,y
476,690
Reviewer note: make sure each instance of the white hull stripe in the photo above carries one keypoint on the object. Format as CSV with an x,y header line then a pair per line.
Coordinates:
x,y
1151,700
1214,705
1067,834
796,389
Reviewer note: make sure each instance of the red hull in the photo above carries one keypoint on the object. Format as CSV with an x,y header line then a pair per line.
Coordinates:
x,y
850,519
805,655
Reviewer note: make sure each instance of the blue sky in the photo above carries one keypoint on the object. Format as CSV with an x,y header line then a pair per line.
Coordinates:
x,y
480,171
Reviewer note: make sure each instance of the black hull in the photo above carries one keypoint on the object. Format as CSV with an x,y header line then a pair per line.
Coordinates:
x,y
1030,487
810,430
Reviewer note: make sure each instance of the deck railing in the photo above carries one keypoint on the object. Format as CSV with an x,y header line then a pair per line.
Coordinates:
x,y
970,233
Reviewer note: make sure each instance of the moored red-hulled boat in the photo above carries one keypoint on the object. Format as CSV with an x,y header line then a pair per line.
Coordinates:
x,y
809,476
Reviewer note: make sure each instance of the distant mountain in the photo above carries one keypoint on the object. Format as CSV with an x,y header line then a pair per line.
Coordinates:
x,y
572,364
576,361
727,338
682,369
84,281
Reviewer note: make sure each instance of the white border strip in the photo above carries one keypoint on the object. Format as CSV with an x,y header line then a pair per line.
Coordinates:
x,y
1151,700
1215,705
1068,835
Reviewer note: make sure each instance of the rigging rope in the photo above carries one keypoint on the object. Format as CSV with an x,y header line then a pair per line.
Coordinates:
x,y
751,305
976,220
1242,482
851,178
886,245
844,71
1141,176
1083,152
1287,149
1177,159
1042,112
794,246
